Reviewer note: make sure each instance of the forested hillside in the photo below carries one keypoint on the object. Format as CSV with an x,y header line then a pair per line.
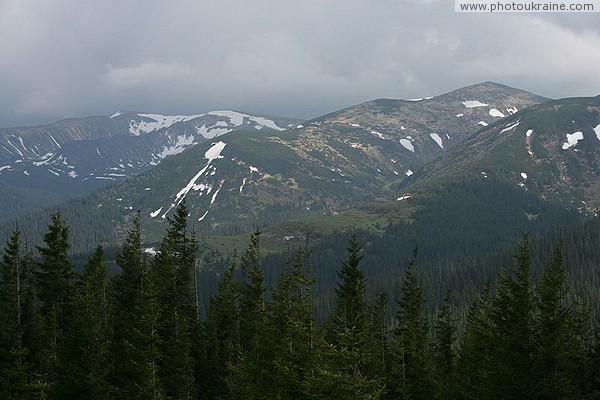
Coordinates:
x,y
140,334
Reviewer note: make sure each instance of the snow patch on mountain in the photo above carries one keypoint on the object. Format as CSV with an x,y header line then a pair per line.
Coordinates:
x,y
496,113
379,135
155,213
529,132
482,123
45,159
473,104
158,121
597,131
204,215
154,122
572,139
181,143
407,145
437,139
237,119
510,127
211,154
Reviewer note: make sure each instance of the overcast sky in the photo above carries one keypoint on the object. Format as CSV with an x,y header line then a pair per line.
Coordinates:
x,y
70,58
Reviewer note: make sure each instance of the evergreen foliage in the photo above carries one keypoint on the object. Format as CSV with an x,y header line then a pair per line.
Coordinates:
x,y
139,335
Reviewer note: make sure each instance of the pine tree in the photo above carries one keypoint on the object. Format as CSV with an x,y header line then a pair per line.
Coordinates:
x,y
83,357
13,353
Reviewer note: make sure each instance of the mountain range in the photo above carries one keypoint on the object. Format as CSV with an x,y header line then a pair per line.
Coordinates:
x,y
47,164
372,166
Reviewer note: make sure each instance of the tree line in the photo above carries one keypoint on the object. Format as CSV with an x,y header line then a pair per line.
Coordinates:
x,y
139,334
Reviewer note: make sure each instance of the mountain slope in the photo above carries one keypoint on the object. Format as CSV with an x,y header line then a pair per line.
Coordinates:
x,y
552,149
513,175
405,134
322,167
78,155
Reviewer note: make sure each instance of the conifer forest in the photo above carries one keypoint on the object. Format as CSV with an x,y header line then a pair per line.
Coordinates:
x,y
138,333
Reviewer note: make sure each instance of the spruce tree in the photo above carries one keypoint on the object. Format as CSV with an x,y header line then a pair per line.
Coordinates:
x,y
172,277
13,353
341,372
126,296
554,339
444,349
379,336
34,337
221,337
83,353
292,335
513,311
252,289
410,374
473,367
55,280
246,380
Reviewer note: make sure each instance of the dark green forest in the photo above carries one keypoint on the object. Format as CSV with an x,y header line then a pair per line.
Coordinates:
x,y
268,331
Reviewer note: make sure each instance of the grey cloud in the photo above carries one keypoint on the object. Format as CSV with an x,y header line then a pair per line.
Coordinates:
x,y
66,58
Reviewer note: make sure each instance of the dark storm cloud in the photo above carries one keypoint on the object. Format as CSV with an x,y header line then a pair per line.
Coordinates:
x,y
70,58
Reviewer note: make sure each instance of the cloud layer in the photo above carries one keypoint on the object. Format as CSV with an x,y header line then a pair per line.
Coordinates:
x,y
65,58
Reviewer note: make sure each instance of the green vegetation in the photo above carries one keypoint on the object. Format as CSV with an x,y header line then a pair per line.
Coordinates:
x,y
139,334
